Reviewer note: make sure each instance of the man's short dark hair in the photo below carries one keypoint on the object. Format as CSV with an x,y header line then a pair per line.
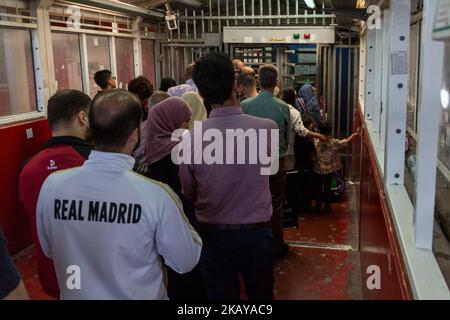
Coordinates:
x,y
113,117
141,86
267,76
101,78
325,128
167,83
246,80
214,77
64,106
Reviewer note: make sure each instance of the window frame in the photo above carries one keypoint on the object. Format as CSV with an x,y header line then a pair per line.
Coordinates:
x,y
39,112
41,29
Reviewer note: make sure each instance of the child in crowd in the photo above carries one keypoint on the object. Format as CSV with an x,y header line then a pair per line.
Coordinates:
x,y
328,160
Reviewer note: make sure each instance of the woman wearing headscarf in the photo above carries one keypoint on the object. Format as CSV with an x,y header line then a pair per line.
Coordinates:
x,y
164,118
199,112
308,104
139,154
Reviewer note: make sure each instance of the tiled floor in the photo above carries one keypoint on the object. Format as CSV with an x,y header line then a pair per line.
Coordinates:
x,y
323,262
27,265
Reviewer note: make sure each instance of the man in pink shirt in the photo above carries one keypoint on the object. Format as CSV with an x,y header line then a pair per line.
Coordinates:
x,y
232,199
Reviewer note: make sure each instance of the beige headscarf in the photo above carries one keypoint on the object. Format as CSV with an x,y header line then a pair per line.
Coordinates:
x,y
198,108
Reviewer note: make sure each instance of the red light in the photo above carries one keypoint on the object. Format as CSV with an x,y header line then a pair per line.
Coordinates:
x,y
307,36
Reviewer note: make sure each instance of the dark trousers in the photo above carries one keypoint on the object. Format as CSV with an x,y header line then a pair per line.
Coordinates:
x,y
277,189
227,253
323,190
306,190
187,286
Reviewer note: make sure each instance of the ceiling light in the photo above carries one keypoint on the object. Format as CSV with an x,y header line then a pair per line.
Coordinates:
x,y
311,4
445,98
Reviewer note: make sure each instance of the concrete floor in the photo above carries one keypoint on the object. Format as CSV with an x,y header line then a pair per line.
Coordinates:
x,y
323,263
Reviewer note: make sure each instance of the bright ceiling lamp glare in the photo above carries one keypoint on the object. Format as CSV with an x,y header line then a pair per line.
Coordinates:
x,y
310,3
444,98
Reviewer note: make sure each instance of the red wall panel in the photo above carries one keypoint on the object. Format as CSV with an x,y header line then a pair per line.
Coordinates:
x,y
378,242
15,149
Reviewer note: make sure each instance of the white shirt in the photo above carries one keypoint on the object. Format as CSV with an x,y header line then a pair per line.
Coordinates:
x,y
296,127
181,89
114,225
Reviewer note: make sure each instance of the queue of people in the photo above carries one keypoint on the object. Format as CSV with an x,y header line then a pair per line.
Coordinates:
x,y
108,202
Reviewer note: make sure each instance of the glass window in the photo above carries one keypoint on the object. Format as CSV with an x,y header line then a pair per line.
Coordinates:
x,y
414,47
125,62
66,56
148,60
444,136
17,86
98,59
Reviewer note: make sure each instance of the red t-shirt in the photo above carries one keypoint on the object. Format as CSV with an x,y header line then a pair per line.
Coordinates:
x,y
60,153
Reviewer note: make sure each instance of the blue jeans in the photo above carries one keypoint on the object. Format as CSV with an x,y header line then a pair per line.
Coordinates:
x,y
229,252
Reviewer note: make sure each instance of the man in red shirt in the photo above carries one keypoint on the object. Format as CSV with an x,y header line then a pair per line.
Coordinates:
x,y
67,114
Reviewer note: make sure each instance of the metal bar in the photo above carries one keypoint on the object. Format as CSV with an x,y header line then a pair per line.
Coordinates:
x,y
210,17
262,17
287,11
306,16
253,11
203,23
195,25
17,16
331,73
243,9
86,31
314,17
377,80
45,79
137,48
93,26
370,74
296,11
349,100
270,11
84,64
261,10
179,27
235,12
432,64
218,14
384,88
186,25
278,11
112,55
186,45
124,8
323,7
158,60
228,12
339,94
172,62
397,95
38,72
18,25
